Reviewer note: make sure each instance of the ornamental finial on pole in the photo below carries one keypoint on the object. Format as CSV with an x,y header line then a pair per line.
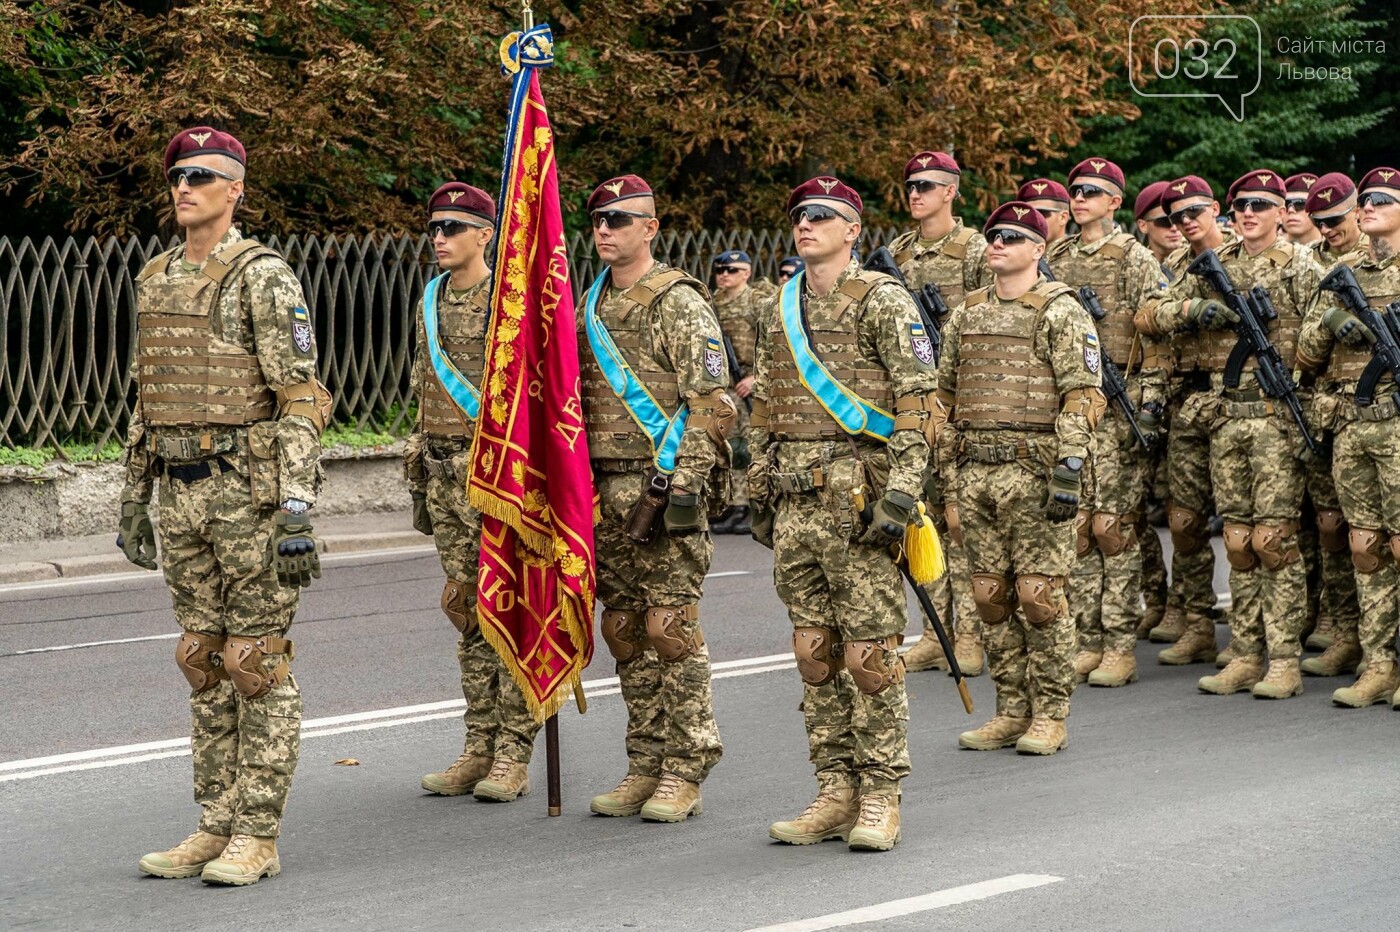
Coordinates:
x,y
527,15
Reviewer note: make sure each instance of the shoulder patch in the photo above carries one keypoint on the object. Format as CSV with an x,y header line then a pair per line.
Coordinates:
x,y
920,343
714,357
301,331
1091,352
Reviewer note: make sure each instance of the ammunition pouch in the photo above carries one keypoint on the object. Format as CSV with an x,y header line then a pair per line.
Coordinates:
x,y
875,665
1042,597
457,599
196,654
818,660
645,519
244,661
414,471
625,634
666,631
310,400
1188,529
1331,530
1083,537
845,490
1276,545
992,595
1366,547
1115,534
1239,550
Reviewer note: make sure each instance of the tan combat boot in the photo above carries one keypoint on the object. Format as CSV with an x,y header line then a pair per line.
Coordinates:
x,y
877,826
1240,674
507,781
1226,655
247,859
459,779
627,797
1378,681
1001,732
1151,617
831,815
1283,681
927,654
675,800
187,858
1119,668
1196,644
1086,662
1045,737
1323,635
967,648
1341,656
1172,627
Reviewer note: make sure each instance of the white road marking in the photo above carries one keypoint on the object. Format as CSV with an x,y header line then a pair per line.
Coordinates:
x,y
916,904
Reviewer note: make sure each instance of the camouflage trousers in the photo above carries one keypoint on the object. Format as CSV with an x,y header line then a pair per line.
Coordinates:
x,y
1189,484
215,553
1258,481
1366,465
498,722
1154,565
1007,535
951,593
670,711
1105,592
1337,600
829,580
738,437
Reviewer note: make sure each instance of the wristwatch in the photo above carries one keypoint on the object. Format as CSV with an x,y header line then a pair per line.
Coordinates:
x,y
295,506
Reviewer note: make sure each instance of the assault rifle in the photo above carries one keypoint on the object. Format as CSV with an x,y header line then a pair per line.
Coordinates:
x,y
735,373
1385,324
1115,387
1255,310
928,299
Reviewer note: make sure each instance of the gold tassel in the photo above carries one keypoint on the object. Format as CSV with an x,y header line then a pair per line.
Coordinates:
x,y
923,549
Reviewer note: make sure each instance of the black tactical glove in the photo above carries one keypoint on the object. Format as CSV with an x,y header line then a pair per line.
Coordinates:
x,y
137,537
422,519
761,525
682,513
740,456
1149,418
1347,327
888,519
294,556
1209,314
1062,501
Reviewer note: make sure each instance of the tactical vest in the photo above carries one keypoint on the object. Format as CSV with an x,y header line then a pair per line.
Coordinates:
x,y
1002,383
188,374
612,433
1186,343
462,329
945,268
1102,270
1348,362
1214,346
793,412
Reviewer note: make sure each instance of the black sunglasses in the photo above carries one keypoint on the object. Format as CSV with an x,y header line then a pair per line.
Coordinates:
x,y
1007,237
816,213
1376,199
196,176
728,269
1254,205
1177,217
1328,223
1086,191
617,219
1162,223
1294,205
923,185
451,228
1048,212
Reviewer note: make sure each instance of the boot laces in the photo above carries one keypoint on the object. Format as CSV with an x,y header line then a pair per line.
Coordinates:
x,y
668,788
188,842
824,798
237,846
1041,727
500,769
873,809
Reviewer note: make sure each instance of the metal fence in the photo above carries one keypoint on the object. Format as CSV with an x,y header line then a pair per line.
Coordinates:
x,y
68,321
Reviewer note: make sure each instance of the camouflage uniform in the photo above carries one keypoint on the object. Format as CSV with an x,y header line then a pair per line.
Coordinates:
x,y
957,264
845,598
1254,459
226,457
738,318
437,459
1106,586
665,328
1024,378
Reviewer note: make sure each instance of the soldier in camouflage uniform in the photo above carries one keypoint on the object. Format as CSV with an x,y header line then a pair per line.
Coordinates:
x,y
789,267
228,425
1020,372
737,305
833,488
1160,234
1297,225
944,253
1255,447
663,327
1051,201
494,764
1367,443
1106,586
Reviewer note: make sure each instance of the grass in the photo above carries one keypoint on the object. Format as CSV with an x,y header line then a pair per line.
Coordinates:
x,y
73,452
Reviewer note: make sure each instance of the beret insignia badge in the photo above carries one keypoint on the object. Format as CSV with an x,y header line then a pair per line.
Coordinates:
x,y
827,185
1325,194
1039,188
615,187
1179,188
454,195
1308,182
1264,177
1386,175
200,138
1098,166
1019,212
923,162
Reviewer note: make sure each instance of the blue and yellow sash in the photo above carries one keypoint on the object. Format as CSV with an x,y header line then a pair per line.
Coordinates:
x,y
855,415
458,387
664,431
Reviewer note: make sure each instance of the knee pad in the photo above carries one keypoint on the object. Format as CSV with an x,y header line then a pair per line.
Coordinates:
x,y
818,661
874,665
1238,547
992,595
1188,529
1395,549
243,659
665,631
1277,544
1042,597
625,634
1114,534
1331,530
1365,549
195,655
1083,541
455,603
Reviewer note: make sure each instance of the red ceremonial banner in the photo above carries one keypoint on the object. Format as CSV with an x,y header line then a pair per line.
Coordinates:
x,y
530,474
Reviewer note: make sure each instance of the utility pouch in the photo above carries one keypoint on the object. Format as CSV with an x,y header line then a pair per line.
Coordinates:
x,y
845,492
263,467
645,520
414,470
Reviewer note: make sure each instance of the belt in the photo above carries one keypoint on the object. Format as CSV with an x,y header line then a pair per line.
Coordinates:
x,y
1243,394
198,447
794,483
439,468
197,471
1383,409
995,453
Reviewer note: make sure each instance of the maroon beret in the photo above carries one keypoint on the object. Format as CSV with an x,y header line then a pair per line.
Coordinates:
x,y
827,188
1101,172
1386,178
1328,192
617,189
1017,214
1148,198
1259,181
931,161
1182,188
203,140
1042,189
458,196
1301,183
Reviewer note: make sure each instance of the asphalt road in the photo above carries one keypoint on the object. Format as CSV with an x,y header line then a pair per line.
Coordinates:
x,y
1169,810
